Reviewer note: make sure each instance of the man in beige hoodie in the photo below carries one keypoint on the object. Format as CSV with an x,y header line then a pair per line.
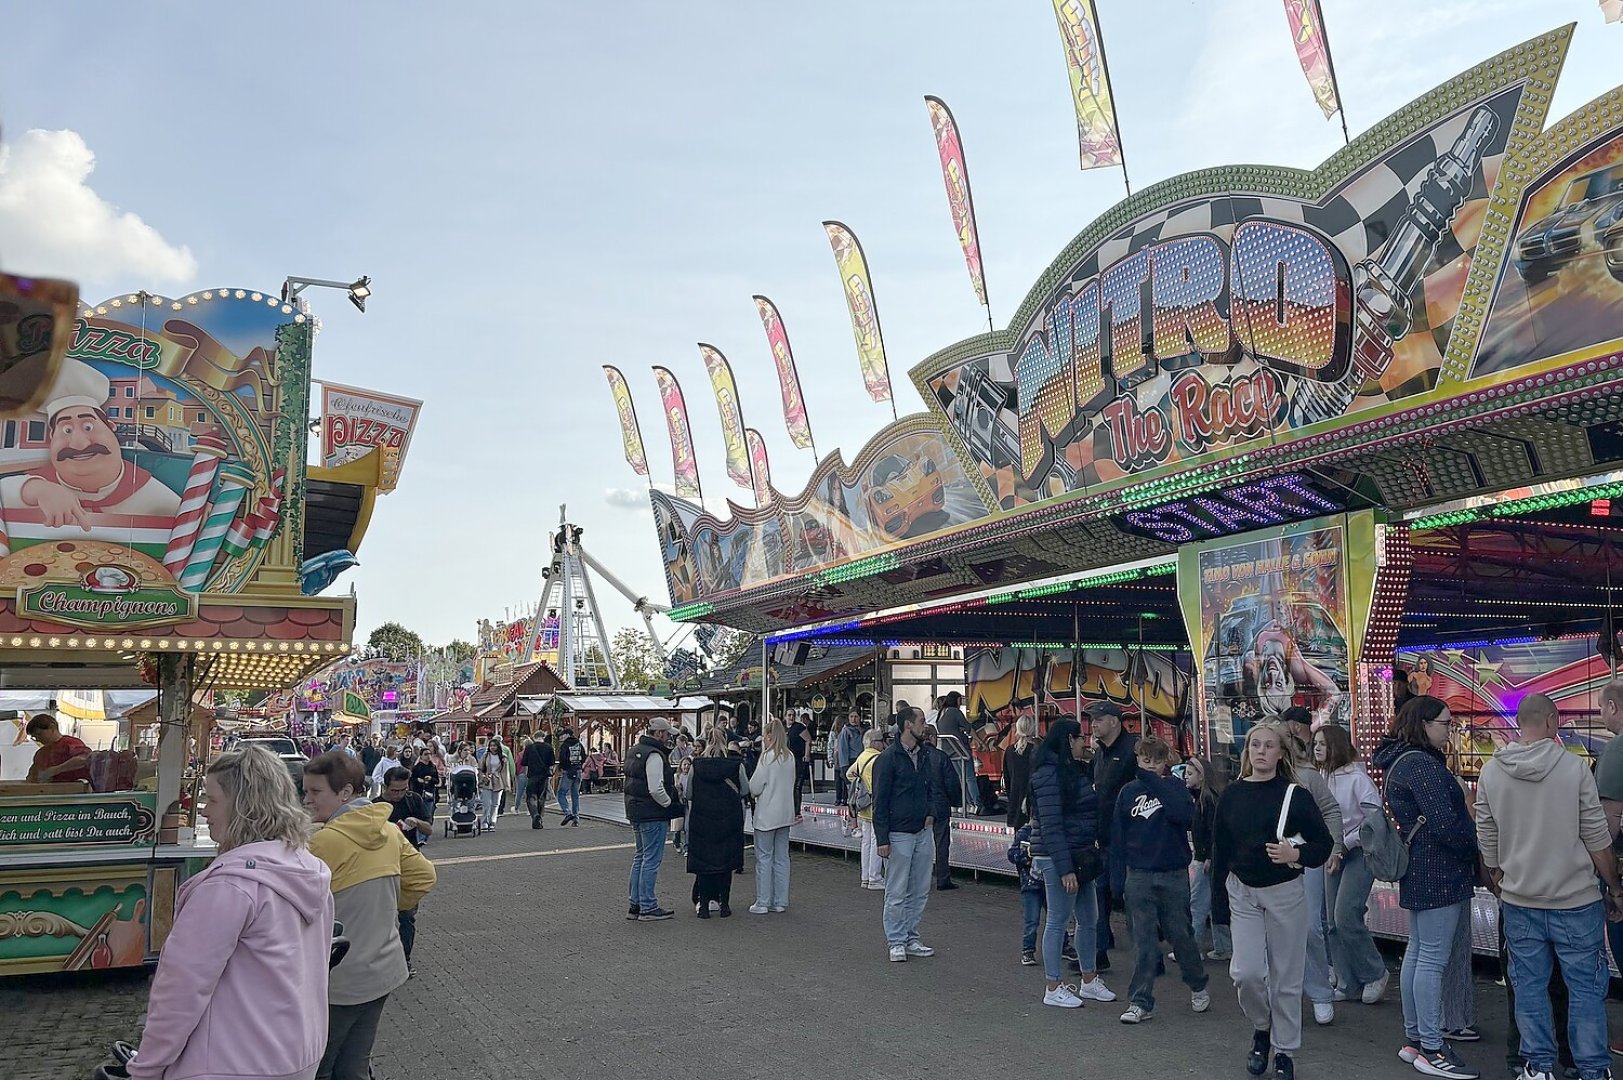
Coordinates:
x,y
1544,839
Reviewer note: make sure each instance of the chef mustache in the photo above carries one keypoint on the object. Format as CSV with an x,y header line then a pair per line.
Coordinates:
x,y
67,453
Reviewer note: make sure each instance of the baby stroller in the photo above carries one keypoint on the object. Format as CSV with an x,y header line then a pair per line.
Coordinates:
x,y
464,818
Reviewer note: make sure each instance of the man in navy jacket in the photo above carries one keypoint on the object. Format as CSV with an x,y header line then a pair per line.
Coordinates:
x,y
903,834
1152,819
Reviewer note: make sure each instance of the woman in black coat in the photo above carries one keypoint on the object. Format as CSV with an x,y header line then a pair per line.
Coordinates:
x,y
1017,769
716,825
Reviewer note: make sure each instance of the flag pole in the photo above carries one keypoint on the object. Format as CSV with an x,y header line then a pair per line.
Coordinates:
x,y
1110,90
1330,61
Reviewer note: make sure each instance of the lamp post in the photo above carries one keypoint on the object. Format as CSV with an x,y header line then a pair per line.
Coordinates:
x,y
358,290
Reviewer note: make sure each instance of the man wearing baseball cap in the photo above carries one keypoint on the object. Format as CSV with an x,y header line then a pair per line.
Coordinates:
x,y
1114,764
651,803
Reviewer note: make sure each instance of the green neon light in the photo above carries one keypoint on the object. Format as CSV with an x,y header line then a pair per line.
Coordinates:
x,y
1556,499
690,611
1003,598
1443,521
861,568
1043,590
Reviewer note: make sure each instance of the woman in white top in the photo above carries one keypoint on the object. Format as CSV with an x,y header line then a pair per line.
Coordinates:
x,y
772,786
1360,971
493,773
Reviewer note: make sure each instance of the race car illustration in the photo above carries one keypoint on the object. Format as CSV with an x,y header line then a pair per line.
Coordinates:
x,y
1589,220
902,492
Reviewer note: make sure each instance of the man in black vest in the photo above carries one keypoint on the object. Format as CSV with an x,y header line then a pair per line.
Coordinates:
x,y
651,802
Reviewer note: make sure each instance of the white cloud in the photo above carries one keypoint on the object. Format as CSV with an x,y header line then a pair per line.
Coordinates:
x,y
626,499
54,222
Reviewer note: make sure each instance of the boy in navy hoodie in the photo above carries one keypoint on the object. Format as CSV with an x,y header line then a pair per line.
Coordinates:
x,y
1152,820
1033,894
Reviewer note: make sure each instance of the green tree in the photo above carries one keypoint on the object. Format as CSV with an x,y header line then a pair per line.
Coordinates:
x,y
636,658
460,652
395,642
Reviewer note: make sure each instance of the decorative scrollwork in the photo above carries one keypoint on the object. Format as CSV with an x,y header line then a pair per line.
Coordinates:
x,y
16,924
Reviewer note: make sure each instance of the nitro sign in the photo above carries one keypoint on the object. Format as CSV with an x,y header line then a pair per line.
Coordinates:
x,y
1221,326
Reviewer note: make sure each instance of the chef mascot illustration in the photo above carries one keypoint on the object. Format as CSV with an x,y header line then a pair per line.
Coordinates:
x,y
85,488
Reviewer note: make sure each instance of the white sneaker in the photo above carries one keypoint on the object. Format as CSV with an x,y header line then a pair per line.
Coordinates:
x,y
1061,998
1373,992
898,954
1200,1000
778,909
1529,1073
1095,990
919,948
1136,1014
1336,995
1323,1014
758,909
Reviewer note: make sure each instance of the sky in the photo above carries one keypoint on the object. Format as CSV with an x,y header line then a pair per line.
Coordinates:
x,y
539,188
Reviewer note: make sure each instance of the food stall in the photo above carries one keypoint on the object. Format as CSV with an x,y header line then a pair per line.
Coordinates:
x,y
153,529
1255,436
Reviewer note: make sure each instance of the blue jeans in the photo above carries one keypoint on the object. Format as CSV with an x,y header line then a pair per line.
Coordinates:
x,y
907,884
1061,906
1578,936
1431,943
772,867
569,794
1200,910
519,784
1358,962
490,799
1316,976
966,779
1031,906
1161,898
645,862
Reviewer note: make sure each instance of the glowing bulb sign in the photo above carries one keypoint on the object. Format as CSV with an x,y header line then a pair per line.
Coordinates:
x,y
1276,500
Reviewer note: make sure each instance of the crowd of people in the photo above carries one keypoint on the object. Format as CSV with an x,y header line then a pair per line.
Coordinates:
x,y
1271,872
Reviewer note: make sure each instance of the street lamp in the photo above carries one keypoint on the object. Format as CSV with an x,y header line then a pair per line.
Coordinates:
x,y
358,290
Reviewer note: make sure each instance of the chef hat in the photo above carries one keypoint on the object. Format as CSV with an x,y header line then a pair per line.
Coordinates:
x,y
77,384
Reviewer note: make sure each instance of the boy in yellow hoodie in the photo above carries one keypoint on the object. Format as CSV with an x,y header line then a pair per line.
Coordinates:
x,y
376,874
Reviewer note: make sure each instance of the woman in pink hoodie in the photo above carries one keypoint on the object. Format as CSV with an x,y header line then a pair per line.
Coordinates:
x,y
241,987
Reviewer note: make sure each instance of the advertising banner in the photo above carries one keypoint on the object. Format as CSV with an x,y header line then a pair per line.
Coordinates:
x,y
1313,51
1271,627
955,174
1006,684
794,405
760,470
683,464
1096,134
732,413
356,421
630,430
859,300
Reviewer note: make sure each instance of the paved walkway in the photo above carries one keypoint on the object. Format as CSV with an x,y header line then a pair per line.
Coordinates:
x,y
528,969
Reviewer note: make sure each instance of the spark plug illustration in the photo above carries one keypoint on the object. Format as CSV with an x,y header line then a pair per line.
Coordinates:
x,y
1384,283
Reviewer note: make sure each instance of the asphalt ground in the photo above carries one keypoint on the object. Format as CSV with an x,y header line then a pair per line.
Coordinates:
x,y
527,968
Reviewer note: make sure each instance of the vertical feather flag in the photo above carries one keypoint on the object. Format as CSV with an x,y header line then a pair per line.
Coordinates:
x,y
955,173
732,414
630,430
683,463
1090,84
794,405
760,470
1313,52
864,312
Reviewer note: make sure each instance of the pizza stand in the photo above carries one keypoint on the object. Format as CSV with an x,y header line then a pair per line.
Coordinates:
x,y
176,434
1254,437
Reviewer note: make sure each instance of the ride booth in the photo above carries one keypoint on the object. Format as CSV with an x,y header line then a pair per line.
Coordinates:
x,y
155,519
1256,438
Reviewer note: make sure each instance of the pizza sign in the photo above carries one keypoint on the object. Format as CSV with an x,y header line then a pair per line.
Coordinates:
x,y
354,422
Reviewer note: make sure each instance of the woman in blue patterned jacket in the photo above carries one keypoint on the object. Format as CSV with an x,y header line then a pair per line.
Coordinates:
x,y
1429,808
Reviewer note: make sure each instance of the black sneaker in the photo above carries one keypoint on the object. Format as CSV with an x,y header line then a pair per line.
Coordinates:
x,y
659,914
1284,1068
1256,1062
1443,1062
633,912
1068,951
1102,963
